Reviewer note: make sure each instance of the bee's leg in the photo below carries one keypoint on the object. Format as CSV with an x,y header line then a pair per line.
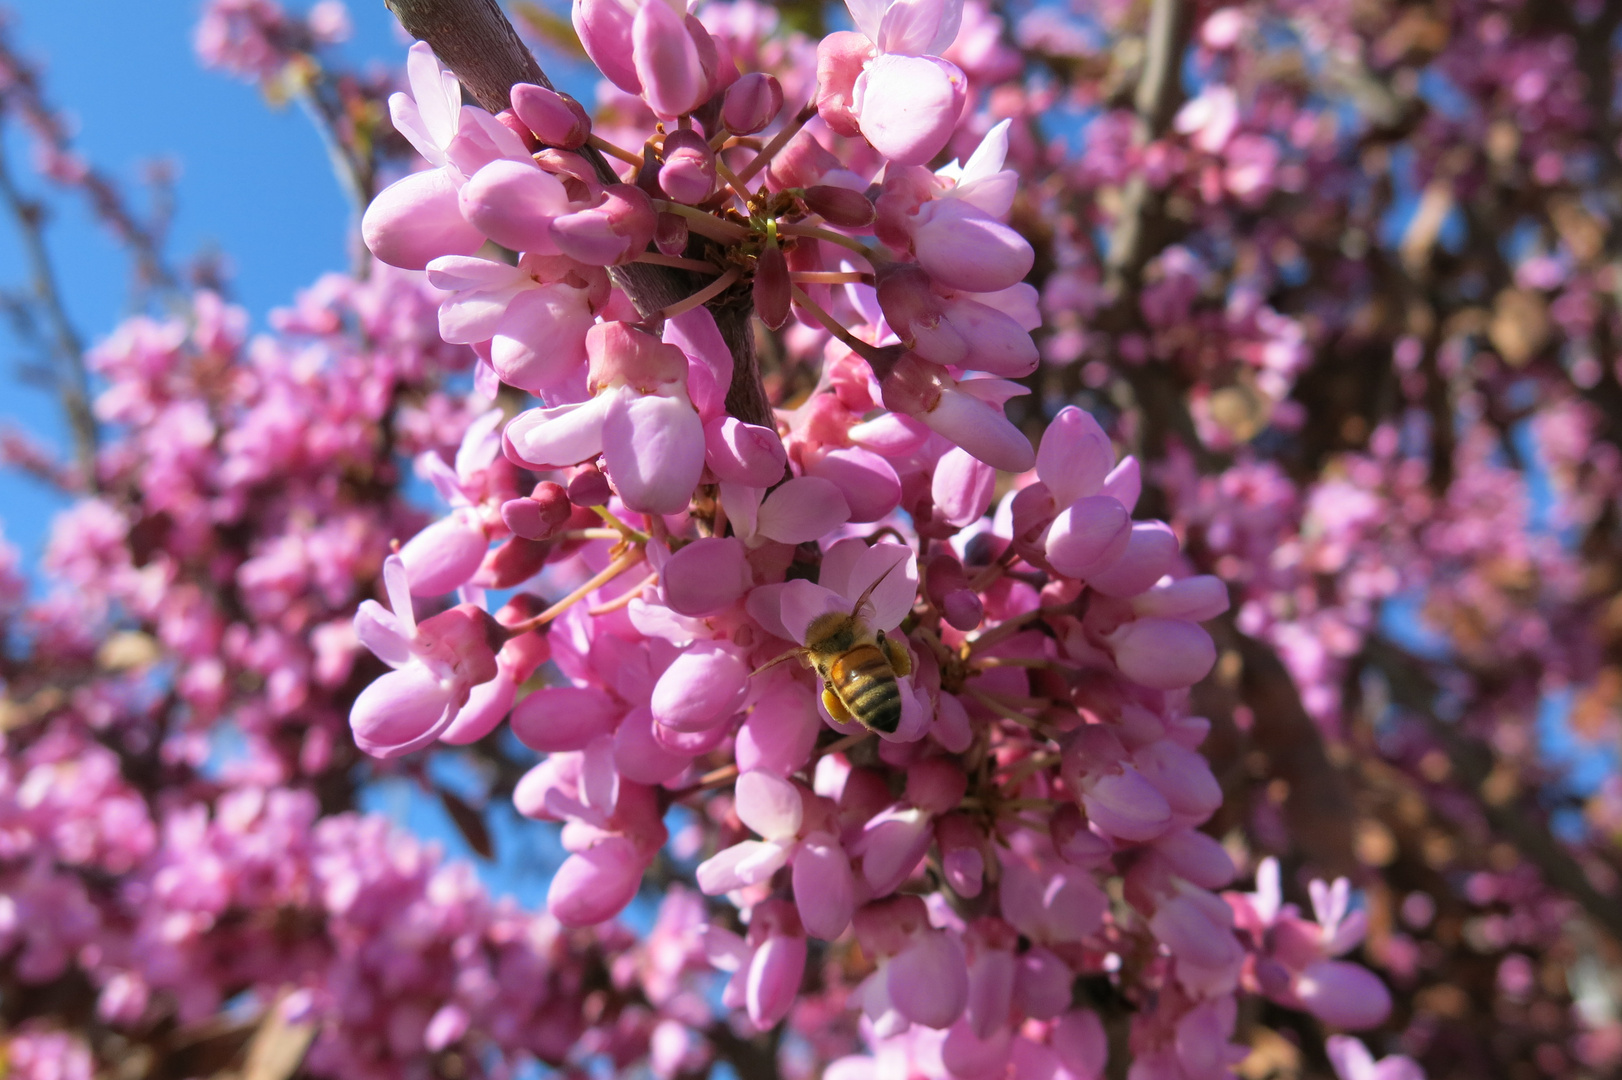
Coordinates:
x,y
835,707
778,659
895,652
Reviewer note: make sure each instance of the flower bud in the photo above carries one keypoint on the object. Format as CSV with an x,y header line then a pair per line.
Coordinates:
x,y
772,289
670,234
514,204
752,103
540,516
688,172
593,886
556,119
417,219
444,555
840,206
703,687
666,57
948,588
588,486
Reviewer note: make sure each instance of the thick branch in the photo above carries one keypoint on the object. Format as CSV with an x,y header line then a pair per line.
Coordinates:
x,y
474,39
1160,91
1473,764
67,348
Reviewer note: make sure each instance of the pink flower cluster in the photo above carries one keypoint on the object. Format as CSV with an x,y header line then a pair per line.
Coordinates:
x,y
1043,744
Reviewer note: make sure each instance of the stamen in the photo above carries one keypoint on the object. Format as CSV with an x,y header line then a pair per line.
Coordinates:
x,y
814,232
607,574
870,353
600,143
704,295
703,222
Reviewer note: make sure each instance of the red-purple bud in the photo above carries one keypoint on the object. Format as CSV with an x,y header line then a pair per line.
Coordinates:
x,y
913,387
556,119
772,288
751,103
670,234
588,486
514,562
948,589
840,206
688,172
541,515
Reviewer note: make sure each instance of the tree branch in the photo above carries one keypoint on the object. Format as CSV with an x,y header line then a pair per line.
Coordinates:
x,y
1160,91
66,347
474,39
1473,764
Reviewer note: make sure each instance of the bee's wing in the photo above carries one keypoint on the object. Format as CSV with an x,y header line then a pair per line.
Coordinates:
x,y
865,600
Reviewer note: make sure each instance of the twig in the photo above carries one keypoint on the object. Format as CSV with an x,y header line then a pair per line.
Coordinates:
x,y
67,351
1473,761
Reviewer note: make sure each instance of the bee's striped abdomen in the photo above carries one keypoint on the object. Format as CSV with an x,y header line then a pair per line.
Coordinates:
x,y
866,684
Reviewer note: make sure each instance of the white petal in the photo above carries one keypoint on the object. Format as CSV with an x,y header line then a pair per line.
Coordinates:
x,y
398,585
739,865
380,632
559,436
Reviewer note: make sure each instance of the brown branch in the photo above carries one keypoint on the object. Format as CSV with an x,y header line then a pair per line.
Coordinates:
x,y
1159,92
1473,763
67,347
474,39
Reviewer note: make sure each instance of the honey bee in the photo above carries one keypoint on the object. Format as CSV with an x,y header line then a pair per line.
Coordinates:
x,y
858,666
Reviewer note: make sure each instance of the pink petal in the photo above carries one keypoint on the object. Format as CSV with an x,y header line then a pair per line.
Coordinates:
x,y
702,687
962,487
740,453
781,730
769,805
540,339
824,888
487,705
513,203
707,576
775,972
1163,654
417,219
1075,456
653,449
402,711
593,886
666,60
1344,994
560,436
867,481
806,508
895,568
381,632
445,555
928,982
1088,537
739,865
639,756
964,248
1149,556
558,718
908,106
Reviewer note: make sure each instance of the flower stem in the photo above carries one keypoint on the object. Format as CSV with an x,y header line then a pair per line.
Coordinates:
x,y
607,574
697,266
611,150
861,348
704,295
779,141
704,223
817,232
